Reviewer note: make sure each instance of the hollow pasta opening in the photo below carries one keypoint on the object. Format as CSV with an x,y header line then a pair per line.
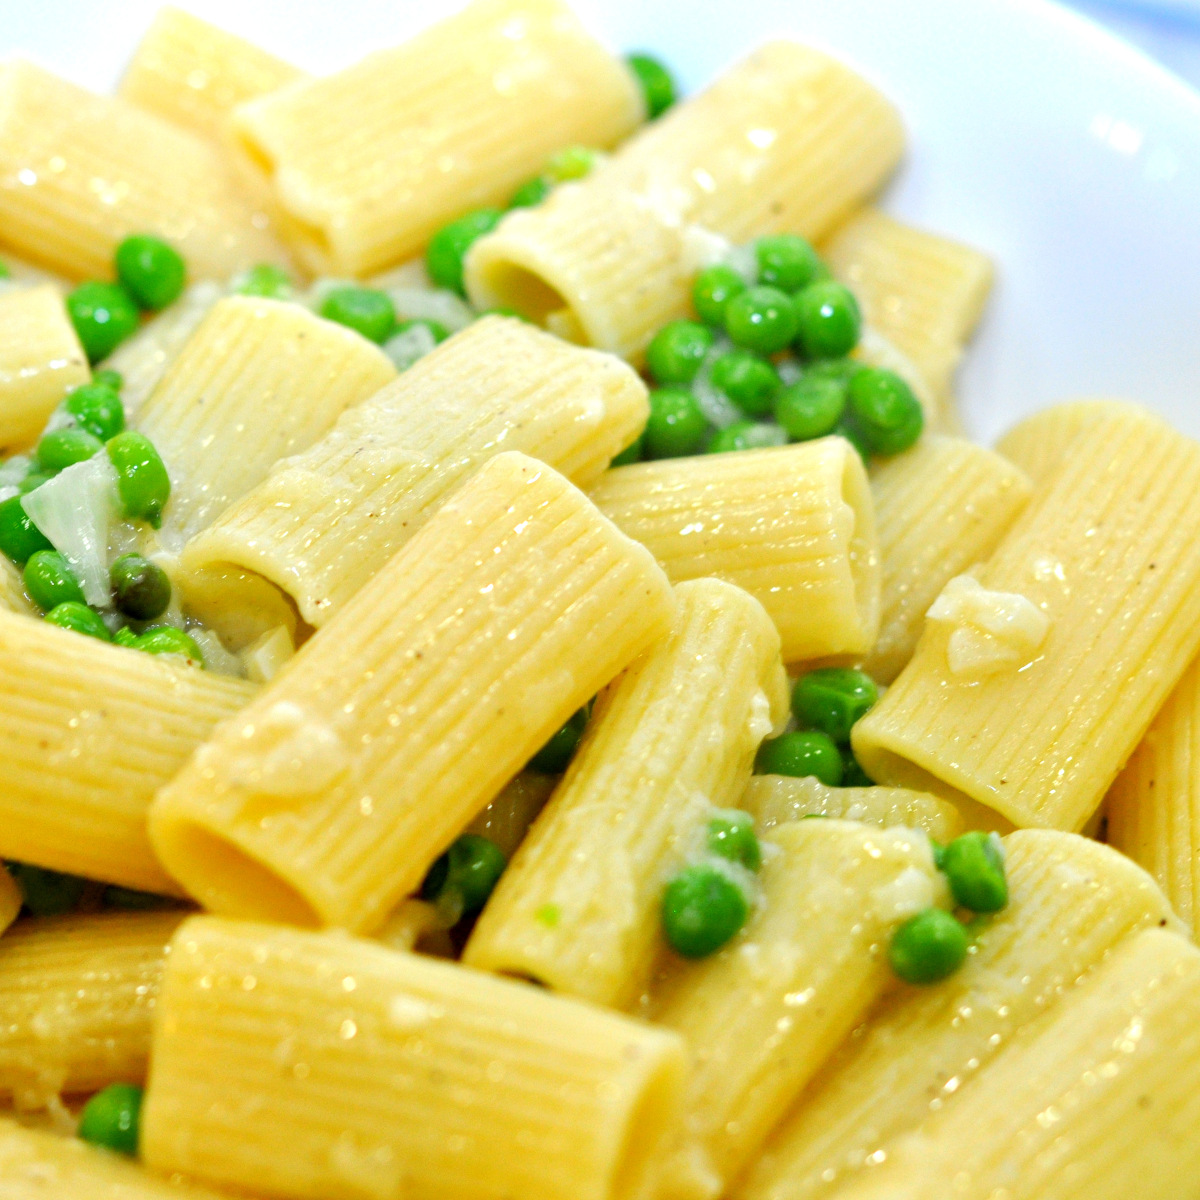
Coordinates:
x,y
515,287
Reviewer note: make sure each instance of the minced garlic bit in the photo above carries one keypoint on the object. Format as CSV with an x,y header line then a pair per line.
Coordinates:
x,y
994,631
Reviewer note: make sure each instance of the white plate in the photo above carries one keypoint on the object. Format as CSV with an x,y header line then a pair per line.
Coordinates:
x,y
1067,155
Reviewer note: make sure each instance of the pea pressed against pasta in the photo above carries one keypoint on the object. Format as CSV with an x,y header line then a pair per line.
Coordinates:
x,y
928,948
677,426
831,699
365,310
111,1118
142,477
50,581
75,615
801,753
448,247
974,868
702,909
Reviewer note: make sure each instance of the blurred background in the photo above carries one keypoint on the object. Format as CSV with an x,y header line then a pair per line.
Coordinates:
x,y
1168,30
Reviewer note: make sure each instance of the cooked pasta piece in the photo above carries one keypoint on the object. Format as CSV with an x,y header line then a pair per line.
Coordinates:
x,y
1071,901
672,739
12,590
1039,678
406,1076
940,508
370,162
10,899
793,525
77,997
40,361
325,802
778,799
1039,443
88,733
90,170
789,139
1097,1100
323,523
508,817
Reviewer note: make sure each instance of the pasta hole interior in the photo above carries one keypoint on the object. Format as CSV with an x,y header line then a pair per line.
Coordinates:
x,y
864,559
529,294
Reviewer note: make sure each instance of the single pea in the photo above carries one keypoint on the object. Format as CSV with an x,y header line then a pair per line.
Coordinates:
x,y
47,893
632,453
33,481
365,310
749,380
828,320
848,430
852,773
153,272
746,435
126,637
531,193
786,261
142,477
762,319
104,315
702,908
112,1118
448,247
885,411
712,291
658,88
109,379
141,588
677,350
168,640
50,581
553,757
974,868
831,699
74,615
97,408
810,408
572,162
266,280
476,864
20,538
676,426
731,835
64,448
805,752
929,947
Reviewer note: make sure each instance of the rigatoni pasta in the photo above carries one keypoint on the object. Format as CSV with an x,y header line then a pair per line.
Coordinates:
x,y
1039,443
10,899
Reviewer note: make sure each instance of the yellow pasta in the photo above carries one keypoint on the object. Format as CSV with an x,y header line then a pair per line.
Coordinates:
x,y
508,817
1071,901
370,162
324,522
1039,680
10,899
88,733
325,802
40,361
941,508
778,799
12,590
789,139
81,172
674,737
793,526
77,997
1039,443
1098,1100
316,1065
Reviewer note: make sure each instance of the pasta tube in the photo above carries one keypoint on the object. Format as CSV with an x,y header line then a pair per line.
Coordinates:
x,y
1039,443
370,162
940,509
12,590
10,899
1041,676
325,802
793,526
1071,901
323,523
674,737
789,139
77,995
407,1076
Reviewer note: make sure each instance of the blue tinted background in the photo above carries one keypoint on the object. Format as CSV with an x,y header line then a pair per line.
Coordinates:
x,y
1169,30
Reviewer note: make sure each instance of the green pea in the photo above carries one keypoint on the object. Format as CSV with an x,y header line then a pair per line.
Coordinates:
x,y
840,369
104,315
632,453
50,581
884,410
810,407
702,908
531,193
65,447
848,430
828,320
658,88
573,162
712,291
112,1118
749,380
168,640
786,261
20,538
938,851
746,435
731,835
676,426
929,947
266,280
474,867
556,754
109,379
974,868
32,482
762,319
5,273
142,477
76,616
678,349
801,753
47,893
831,699
852,773
97,408
448,247
153,272
126,637
141,589
365,310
